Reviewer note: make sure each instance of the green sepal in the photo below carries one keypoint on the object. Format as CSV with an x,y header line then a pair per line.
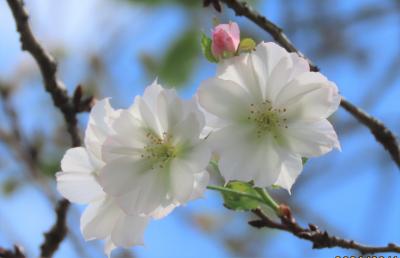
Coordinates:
x,y
246,45
206,48
276,186
238,202
215,21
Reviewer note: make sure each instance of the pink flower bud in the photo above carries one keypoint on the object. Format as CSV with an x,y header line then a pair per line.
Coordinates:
x,y
225,38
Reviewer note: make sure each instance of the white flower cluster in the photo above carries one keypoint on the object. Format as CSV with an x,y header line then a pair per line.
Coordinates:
x,y
264,110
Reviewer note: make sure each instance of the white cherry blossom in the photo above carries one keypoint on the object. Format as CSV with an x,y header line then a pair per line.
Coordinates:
x,y
155,158
271,111
77,182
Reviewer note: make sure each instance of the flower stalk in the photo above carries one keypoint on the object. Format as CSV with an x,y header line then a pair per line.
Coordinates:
x,y
232,191
268,200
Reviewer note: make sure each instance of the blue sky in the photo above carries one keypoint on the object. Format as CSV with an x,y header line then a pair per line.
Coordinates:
x,y
352,193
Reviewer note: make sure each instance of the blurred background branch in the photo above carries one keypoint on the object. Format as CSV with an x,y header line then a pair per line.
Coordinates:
x,y
56,89
16,253
48,68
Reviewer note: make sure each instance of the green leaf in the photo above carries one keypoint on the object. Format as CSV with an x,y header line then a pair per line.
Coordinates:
x,y
304,160
10,186
177,65
206,48
246,45
238,202
179,60
49,167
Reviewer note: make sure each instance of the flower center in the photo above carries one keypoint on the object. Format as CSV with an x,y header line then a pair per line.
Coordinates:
x,y
159,151
267,119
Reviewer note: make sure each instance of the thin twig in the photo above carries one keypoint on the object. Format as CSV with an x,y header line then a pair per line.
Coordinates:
x,y
28,153
57,233
378,129
22,148
48,68
16,253
320,239
61,100
382,134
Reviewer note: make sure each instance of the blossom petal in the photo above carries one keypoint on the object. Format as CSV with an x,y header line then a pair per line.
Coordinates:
x,y
200,184
99,218
312,138
230,137
119,176
193,106
78,187
264,61
76,159
151,93
257,162
278,78
226,99
187,131
109,246
169,109
101,112
118,145
238,70
211,122
129,231
197,157
290,170
309,96
269,161
231,165
300,65
161,211
77,182
149,193
99,126
127,124
148,116
182,181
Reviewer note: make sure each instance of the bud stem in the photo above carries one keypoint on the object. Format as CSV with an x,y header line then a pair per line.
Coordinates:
x,y
231,191
267,199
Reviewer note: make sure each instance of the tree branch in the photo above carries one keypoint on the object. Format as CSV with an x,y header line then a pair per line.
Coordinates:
x,y
22,148
378,129
68,106
57,233
320,239
48,69
382,134
16,253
